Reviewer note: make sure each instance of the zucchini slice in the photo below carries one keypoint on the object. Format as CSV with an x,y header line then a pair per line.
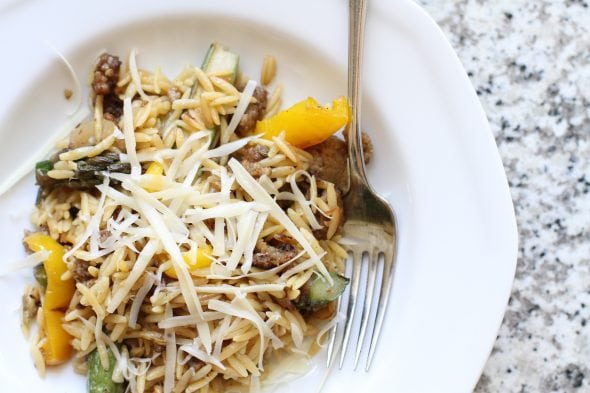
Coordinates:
x,y
318,292
220,60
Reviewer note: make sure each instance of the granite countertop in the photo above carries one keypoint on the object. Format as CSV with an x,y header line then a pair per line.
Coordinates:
x,y
529,61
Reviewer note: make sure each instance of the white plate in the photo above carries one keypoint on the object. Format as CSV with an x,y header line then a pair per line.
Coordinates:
x,y
435,159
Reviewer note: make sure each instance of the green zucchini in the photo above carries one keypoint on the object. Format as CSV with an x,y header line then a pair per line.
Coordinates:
x,y
318,292
220,59
99,379
40,275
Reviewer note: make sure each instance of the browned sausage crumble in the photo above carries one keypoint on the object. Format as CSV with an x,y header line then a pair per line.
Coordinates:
x,y
254,112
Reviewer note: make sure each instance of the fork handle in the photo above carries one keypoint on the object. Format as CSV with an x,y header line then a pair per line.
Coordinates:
x,y
357,10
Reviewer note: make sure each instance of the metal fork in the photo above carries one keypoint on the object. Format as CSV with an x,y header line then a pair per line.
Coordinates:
x,y
370,226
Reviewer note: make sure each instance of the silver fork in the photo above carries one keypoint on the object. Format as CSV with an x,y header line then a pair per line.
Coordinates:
x,y
370,227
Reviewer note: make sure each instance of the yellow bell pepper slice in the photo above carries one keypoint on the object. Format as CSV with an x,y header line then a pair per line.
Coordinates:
x,y
58,294
198,258
306,123
156,180
57,349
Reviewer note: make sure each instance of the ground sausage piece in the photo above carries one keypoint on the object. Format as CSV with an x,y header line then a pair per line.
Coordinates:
x,y
367,146
112,107
329,161
250,155
106,74
274,253
80,272
254,112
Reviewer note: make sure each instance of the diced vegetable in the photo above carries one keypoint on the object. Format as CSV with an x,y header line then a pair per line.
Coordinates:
x,y
194,259
58,293
99,379
155,168
318,292
44,166
40,275
306,123
221,61
156,171
88,174
57,347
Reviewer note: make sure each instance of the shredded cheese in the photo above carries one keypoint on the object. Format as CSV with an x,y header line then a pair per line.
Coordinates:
x,y
93,229
253,238
135,74
144,258
241,308
129,133
148,282
257,192
240,110
170,365
30,261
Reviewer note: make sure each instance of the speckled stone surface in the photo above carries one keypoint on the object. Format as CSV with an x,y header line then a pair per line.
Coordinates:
x,y
529,61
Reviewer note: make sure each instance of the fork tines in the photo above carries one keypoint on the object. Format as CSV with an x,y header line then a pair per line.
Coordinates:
x,y
377,268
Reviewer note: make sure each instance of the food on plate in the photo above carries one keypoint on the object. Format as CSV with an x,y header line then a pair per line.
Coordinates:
x,y
187,239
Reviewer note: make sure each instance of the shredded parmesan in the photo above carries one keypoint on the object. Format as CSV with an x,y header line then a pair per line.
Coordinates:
x,y
30,261
135,74
148,282
129,133
241,308
93,228
196,352
240,110
258,193
144,258
184,278
231,147
170,365
253,238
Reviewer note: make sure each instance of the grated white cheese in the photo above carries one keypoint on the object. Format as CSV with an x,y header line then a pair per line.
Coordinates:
x,y
174,223
219,237
193,142
148,282
220,334
129,133
241,308
170,361
251,245
264,274
92,231
135,74
184,278
232,290
30,261
195,351
257,192
245,229
231,147
188,320
233,209
240,110
144,258
300,198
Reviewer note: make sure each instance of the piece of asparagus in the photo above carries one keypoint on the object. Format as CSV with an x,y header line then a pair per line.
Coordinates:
x,y
89,173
